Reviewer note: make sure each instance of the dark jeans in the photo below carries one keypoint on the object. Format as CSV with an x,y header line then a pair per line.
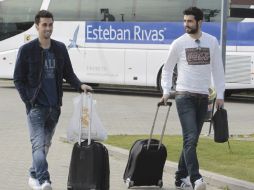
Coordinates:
x,y
191,110
41,122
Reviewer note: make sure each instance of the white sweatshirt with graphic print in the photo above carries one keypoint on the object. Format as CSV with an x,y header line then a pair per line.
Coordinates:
x,y
198,62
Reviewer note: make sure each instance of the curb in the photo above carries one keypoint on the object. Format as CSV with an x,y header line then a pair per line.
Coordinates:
x,y
215,179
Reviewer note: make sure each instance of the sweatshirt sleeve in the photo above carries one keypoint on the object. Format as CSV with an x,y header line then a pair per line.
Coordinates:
x,y
167,70
218,71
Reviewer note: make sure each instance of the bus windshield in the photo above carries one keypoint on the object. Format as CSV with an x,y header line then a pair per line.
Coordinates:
x,y
17,16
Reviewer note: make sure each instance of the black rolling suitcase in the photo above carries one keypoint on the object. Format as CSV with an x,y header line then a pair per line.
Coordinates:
x,y
89,166
147,158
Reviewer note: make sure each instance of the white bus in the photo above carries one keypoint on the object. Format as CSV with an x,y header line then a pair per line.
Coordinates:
x,y
123,42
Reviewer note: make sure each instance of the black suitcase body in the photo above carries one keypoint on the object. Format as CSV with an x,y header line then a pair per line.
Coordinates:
x,y
145,166
147,158
89,167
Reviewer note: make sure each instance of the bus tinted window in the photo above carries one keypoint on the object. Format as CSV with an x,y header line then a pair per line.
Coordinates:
x,y
118,10
91,10
131,10
162,10
17,16
212,10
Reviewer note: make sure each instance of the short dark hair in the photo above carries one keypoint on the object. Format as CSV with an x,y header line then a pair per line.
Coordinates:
x,y
42,14
196,12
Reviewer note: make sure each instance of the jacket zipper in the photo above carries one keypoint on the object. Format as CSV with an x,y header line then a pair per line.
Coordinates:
x,y
39,87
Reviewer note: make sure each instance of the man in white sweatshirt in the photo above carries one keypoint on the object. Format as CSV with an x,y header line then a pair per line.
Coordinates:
x,y
198,57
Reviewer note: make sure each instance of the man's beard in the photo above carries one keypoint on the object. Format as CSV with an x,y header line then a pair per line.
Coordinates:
x,y
192,30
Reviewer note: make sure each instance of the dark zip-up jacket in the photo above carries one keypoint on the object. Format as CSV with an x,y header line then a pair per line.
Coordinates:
x,y
29,68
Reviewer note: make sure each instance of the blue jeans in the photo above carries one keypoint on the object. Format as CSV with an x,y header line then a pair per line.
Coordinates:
x,y
191,111
41,122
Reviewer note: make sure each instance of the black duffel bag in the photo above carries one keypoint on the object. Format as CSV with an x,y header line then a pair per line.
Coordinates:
x,y
220,126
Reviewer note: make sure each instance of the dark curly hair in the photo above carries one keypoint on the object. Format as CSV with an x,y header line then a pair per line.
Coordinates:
x,y
42,14
196,12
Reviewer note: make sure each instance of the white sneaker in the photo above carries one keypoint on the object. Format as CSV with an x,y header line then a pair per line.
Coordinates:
x,y
183,184
200,184
186,181
46,186
34,183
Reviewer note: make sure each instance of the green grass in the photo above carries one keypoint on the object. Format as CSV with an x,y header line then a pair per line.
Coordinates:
x,y
212,156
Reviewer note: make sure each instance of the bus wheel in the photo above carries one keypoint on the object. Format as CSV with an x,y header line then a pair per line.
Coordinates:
x,y
174,78
228,93
159,82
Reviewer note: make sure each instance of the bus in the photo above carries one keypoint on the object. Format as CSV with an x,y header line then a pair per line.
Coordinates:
x,y
123,42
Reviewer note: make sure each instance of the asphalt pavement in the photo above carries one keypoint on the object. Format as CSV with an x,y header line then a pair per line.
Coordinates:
x,y
121,115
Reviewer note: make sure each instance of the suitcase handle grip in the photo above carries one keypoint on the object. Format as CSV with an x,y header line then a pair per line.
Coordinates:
x,y
162,104
169,104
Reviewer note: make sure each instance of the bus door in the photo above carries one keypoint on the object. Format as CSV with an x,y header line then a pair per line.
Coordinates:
x,y
135,67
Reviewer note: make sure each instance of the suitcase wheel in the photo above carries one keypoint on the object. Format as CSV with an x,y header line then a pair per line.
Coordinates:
x,y
160,183
129,183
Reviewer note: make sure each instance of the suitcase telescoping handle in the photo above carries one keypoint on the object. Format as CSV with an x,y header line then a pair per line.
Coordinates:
x,y
90,104
169,104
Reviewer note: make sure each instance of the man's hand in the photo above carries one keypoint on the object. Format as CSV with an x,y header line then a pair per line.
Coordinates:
x,y
219,103
86,88
165,98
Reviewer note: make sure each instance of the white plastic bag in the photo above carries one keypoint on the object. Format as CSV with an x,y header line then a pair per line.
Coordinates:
x,y
81,118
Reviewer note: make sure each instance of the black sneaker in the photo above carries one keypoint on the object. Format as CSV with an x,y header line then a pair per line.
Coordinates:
x,y
183,184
